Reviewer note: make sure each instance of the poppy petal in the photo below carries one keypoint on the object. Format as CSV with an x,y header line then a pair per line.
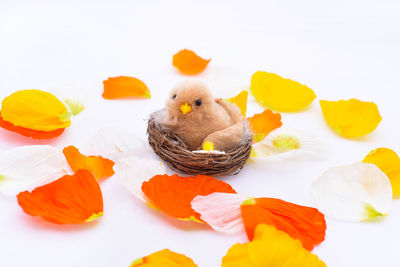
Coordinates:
x,y
27,167
188,62
263,123
173,194
75,106
125,87
356,192
270,247
279,93
71,199
351,118
164,257
389,163
35,110
98,166
241,101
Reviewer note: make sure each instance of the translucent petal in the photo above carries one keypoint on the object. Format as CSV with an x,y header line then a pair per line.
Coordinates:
x,y
27,167
354,192
241,101
165,258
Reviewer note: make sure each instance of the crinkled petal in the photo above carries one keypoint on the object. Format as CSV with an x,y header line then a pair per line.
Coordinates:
x,y
125,87
279,93
68,200
98,166
241,101
263,123
351,118
389,162
133,171
35,110
165,258
271,248
354,192
27,167
221,211
187,62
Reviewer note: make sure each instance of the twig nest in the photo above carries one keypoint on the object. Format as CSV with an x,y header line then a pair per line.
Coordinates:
x,y
178,157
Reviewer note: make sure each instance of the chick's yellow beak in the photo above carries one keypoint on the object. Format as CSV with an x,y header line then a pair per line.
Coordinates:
x,y
185,108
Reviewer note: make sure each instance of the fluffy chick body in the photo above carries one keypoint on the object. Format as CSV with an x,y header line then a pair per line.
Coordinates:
x,y
209,120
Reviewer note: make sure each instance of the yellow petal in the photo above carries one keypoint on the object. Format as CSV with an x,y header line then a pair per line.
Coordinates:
x,y
279,93
351,118
164,257
271,248
388,162
36,110
241,101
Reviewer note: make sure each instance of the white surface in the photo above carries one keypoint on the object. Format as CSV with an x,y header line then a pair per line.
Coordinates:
x,y
341,49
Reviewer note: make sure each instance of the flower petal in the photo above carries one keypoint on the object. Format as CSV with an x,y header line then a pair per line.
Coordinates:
x,y
164,257
241,101
35,110
75,105
263,123
221,211
279,93
70,199
188,62
351,118
270,247
27,167
355,192
133,171
123,87
388,162
28,132
98,166
300,222
173,194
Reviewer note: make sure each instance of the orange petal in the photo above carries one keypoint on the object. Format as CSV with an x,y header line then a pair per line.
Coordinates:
x,y
123,86
300,222
28,132
188,62
98,166
241,101
71,199
164,257
173,194
263,123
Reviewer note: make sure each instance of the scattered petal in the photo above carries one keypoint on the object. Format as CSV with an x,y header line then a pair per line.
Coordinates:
x,y
70,199
279,93
351,118
173,194
133,171
388,162
356,192
270,247
300,222
123,87
188,62
241,101
164,257
75,105
263,123
35,110
27,167
98,166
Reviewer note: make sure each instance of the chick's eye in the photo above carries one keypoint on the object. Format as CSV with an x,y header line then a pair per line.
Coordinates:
x,y
198,102
174,96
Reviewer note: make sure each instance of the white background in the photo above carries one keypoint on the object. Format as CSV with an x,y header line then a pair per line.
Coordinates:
x,y
341,49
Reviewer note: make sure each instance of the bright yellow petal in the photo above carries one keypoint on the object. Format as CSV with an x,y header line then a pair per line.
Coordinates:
x,y
388,162
241,101
351,118
164,257
36,110
270,248
279,93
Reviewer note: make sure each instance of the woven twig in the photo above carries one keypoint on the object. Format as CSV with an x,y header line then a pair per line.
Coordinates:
x,y
174,152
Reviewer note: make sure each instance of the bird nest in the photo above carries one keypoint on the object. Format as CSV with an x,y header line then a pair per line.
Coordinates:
x,y
178,157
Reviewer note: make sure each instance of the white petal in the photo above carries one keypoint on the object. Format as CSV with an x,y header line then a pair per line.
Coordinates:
x,y
27,167
133,171
221,211
216,152
355,192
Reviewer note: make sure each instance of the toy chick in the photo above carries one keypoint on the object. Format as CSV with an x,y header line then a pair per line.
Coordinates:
x,y
202,121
